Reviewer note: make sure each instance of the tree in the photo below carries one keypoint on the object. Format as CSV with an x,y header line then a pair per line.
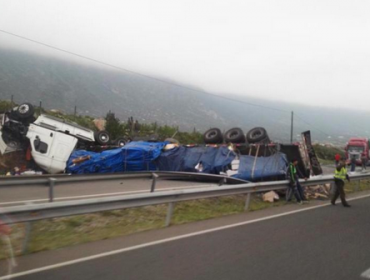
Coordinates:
x,y
113,126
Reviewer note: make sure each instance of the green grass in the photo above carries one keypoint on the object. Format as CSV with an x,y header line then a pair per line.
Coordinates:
x,y
326,161
355,186
57,233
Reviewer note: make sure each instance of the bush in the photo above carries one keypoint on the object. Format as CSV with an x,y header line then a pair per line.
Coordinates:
x,y
328,153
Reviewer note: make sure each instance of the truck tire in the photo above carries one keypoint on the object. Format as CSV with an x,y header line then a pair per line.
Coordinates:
x,y
10,141
102,137
120,142
25,111
234,135
257,134
213,136
172,141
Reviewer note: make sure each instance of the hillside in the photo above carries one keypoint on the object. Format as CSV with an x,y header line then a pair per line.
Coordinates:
x,y
61,84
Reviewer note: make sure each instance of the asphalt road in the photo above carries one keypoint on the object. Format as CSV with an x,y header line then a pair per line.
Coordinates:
x,y
325,243
21,194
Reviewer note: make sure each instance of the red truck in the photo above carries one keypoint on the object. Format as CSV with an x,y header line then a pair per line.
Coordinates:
x,y
357,147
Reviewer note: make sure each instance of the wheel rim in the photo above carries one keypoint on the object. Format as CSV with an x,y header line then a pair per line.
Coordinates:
x,y
256,134
104,138
23,109
233,135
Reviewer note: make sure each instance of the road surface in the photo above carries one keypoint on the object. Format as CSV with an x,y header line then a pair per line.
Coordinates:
x,y
330,242
16,195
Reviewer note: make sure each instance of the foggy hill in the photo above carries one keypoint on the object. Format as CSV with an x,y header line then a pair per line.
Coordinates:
x,y
61,84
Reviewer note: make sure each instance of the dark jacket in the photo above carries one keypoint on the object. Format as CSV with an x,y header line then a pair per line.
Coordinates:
x,y
293,174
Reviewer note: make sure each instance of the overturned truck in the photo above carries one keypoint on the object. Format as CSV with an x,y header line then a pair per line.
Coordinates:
x,y
57,146
50,140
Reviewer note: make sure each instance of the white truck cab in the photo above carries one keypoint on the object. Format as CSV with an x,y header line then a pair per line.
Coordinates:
x,y
63,126
50,149
52,139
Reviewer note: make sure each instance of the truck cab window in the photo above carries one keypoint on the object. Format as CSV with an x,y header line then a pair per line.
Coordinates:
x,y
40,146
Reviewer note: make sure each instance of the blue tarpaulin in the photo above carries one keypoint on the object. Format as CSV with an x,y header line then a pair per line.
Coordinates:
x,y
135,156
262,168
213,160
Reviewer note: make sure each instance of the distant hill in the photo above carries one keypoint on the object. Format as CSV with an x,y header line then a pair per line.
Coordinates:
x,y
61,84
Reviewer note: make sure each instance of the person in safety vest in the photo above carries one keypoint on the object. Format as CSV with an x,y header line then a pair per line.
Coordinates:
x,y
339,176
294,185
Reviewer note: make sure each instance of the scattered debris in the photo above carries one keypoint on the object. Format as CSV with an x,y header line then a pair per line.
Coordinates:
x,y
100,124
318,192
270,196
81,159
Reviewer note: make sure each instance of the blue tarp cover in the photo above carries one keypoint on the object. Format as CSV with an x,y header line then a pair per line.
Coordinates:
x,y
214,160
135,156
264,167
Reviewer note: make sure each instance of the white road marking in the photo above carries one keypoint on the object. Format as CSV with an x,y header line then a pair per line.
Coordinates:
x,y
366,274
80,260
102,194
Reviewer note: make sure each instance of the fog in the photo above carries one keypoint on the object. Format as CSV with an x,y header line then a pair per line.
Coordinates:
x,y
308,52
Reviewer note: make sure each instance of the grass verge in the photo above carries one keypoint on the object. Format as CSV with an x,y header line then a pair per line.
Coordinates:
x,y
57,233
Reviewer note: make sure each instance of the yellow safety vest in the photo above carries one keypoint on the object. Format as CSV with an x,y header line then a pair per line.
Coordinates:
x,y
340,174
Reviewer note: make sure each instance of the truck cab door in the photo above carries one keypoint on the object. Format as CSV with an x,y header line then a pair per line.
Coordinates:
x,y
50,149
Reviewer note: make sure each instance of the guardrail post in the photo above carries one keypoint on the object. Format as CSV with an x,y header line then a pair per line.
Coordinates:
x,y
51,189
169,213
222,181
247,202
154,181
26,239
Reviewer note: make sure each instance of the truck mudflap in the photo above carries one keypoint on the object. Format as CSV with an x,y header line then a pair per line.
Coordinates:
x,y
9,147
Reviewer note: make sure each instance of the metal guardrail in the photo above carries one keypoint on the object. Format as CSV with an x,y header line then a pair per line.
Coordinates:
x,y
51,181
63,179
36,212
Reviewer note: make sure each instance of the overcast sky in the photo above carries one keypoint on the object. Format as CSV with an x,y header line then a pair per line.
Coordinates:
x,y
312,52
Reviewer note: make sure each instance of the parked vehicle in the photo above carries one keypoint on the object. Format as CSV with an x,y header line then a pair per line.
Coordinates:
x,y
52,139
358,148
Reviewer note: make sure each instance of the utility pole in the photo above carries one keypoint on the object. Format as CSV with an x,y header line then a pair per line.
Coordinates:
x,y
40,108
291,128
75,112
11,101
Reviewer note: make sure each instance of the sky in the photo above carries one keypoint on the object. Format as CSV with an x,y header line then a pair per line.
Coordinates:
x,y
313,52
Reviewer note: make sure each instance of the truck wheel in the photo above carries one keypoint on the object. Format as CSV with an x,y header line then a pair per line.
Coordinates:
x,y
25,111
120,142
10,141
102,137
234,135
256,135
213,136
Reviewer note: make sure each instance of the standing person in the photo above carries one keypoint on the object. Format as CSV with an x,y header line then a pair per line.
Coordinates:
x,y
294,185
339,176
337,159
353,163
363,162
